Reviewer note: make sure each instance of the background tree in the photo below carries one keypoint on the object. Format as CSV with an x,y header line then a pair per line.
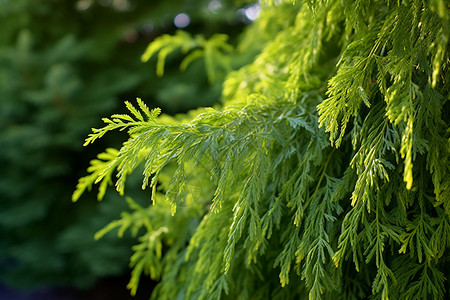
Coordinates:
x,y
324,173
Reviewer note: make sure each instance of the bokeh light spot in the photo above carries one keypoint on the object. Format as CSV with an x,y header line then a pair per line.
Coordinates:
x,y
252,12
182,20
214,6
83,4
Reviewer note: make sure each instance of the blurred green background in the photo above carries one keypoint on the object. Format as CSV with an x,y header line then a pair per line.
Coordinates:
x,y
63,66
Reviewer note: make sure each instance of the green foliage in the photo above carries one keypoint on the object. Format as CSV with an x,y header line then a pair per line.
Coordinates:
x,y
279,212
44,97
210,49
63,64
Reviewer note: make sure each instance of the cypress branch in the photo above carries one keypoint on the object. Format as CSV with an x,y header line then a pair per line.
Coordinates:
x,y
277,210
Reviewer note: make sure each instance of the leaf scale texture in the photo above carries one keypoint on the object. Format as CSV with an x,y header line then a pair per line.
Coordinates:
x,y
324,173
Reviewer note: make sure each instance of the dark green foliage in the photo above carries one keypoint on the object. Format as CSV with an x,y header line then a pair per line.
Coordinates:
x,y
263,205
44,97
63,64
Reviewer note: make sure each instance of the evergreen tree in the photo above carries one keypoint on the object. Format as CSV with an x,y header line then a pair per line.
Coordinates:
x,y
325,171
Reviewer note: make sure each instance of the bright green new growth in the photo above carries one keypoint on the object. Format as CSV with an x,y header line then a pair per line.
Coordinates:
x,y
252,201
211,50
